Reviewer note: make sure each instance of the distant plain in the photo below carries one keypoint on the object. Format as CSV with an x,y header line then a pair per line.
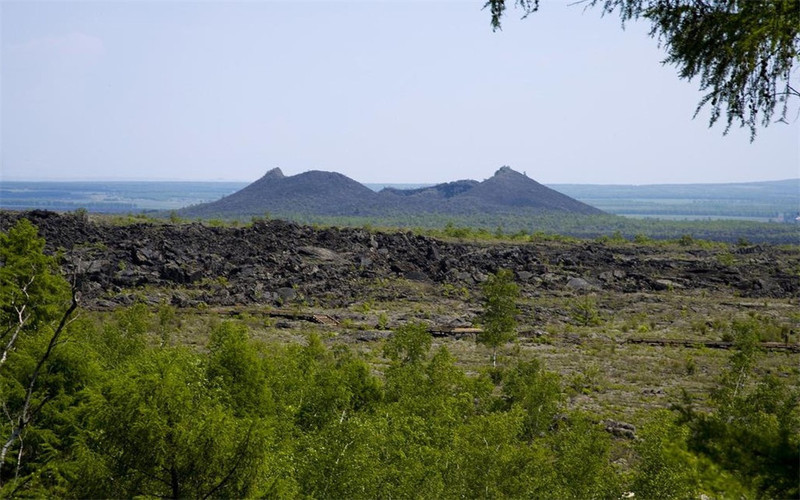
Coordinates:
x,y
770,201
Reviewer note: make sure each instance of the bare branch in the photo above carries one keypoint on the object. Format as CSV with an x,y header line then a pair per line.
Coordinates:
x,y
21,320
240,456
19,458
26,415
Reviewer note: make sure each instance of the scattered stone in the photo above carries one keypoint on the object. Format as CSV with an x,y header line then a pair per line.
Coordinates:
x,y
620,429
524,276
530,334
319,253
662,284
579,284
464,276
286,294
416,276
371,336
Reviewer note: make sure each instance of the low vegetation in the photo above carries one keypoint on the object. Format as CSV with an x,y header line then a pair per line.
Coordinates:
x,y
159,401
516,227
559,226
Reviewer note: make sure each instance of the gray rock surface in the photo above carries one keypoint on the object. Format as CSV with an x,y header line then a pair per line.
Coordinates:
x,y
278,261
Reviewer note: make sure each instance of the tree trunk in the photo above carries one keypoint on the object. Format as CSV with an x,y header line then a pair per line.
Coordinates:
x,y
11,440
174,482
27,414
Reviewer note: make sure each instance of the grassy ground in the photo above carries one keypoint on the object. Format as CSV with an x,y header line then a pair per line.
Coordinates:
x,y
581,337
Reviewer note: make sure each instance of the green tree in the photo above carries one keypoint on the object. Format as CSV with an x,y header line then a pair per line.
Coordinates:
x,y
36,309
332,386
664,468
489,460
499,311
753,428
582,467
236,368
410,343
32,290
742,51
537,392
157,428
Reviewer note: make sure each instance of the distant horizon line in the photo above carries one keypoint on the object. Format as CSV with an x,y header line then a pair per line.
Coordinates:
x,y
384,183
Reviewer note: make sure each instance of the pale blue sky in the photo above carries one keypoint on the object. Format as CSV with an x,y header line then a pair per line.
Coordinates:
x,y
379,91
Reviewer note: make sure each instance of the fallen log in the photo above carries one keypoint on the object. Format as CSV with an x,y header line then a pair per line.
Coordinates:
x,y
452,331
712,344
320,319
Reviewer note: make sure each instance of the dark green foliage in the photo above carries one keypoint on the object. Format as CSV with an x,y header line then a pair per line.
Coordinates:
x,y
250,419
168,322
31,286
753,431
38,374
664,469
159,429
582,467
743,51
489,461
409,344
498,8
584,311
536,392
48,425
236,368
122,337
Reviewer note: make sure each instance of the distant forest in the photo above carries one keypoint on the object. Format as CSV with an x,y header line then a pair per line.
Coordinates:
x,y
721,212
777,201
516,226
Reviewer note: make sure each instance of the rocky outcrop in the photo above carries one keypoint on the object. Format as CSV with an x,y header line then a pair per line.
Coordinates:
x,y
279,262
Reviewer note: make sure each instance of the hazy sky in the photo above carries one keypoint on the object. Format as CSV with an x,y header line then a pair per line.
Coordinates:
x,y
379,91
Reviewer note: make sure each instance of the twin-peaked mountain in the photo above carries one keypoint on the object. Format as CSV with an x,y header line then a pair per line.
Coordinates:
x,y
331,193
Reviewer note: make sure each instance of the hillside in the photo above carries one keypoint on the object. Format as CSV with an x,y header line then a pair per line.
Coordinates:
x,y
509,188
323,193
330,193
755,201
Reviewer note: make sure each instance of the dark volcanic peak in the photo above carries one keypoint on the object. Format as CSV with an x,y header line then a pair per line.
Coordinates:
x,y
275,173
509,188
330,193
312,192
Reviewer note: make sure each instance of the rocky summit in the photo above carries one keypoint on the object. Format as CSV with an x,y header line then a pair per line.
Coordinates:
x,y
331,193
276,262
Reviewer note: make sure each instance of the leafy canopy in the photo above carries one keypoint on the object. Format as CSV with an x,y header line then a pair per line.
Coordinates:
x,y
31,286
742,51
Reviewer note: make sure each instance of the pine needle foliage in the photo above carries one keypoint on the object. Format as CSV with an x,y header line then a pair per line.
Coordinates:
x,y
742,51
